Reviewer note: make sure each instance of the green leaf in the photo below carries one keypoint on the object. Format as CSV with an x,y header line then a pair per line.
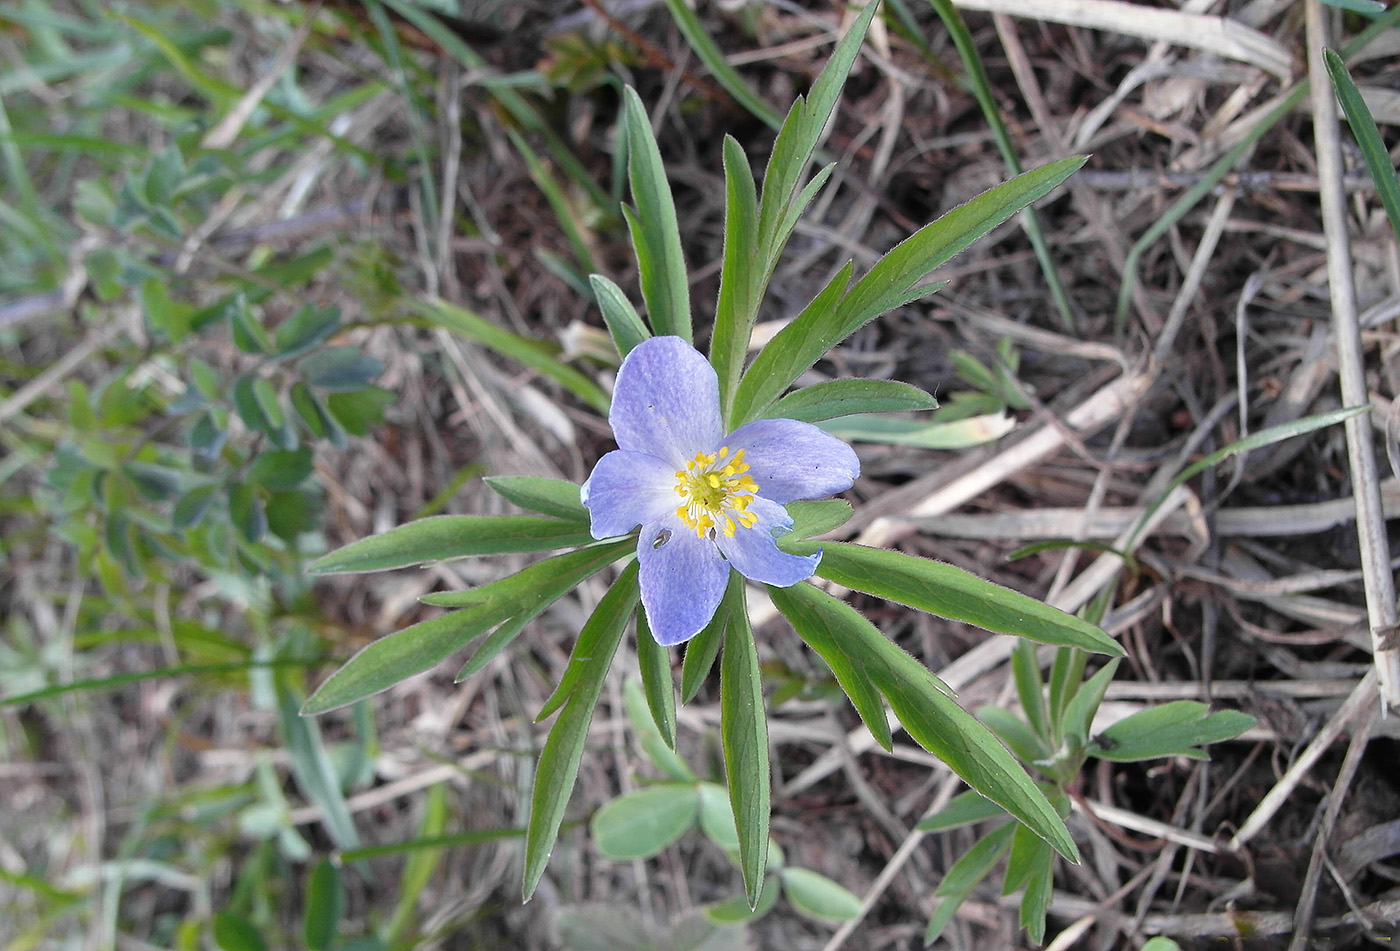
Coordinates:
x,y
893,281
933,720
823,305
1025,670
736,910
597,632
717,818
419,869
1018,737
810,519
555,497
737,307
640,824
845,397
655,664
308,327
818,896
656,236
976,864
1078,719
649,738
359,411
314,417
246,511
245,403
558,764
280,470
311,764
963,809
415,649
575,565
235,933
451,536
1179,728
248,334
1031,865
536,354
953,593
621,317
340,369
193,506
797,142
700,653
1368,137
325,906
744,731
821,630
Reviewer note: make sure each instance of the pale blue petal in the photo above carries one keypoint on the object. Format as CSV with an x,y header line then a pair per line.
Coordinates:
x,y
755,555
683,579
791,460
628,489
666,401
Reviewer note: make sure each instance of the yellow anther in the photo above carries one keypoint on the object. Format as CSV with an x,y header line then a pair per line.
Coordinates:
x,y
715,493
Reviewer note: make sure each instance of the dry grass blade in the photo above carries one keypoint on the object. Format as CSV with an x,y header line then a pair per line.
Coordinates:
x,y
1208,33
1370,519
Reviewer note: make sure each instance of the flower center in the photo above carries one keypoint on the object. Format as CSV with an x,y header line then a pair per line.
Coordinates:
x,y
716,493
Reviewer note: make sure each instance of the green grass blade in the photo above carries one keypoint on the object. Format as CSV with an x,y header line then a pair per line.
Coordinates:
x,y
535,354
727,76
744,732
953,593
982,90
1368,138
418,870
559,203
558,765
656,235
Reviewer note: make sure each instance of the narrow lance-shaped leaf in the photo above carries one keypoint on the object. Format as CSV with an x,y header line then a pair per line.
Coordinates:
x,y
452,536
655,663
845,397
976,864
558,765
953,593
842,655
1179,728
387,661
933,720
744,732
624,325
894,280
738,304
656,236
558,498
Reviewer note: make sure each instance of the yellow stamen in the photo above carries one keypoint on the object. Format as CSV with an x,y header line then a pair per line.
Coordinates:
x,y
715,492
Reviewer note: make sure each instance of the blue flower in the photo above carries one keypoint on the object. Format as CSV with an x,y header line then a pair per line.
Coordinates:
x,y
706,502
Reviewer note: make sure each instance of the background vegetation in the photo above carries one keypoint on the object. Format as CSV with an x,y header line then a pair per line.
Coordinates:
x,y
277,276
